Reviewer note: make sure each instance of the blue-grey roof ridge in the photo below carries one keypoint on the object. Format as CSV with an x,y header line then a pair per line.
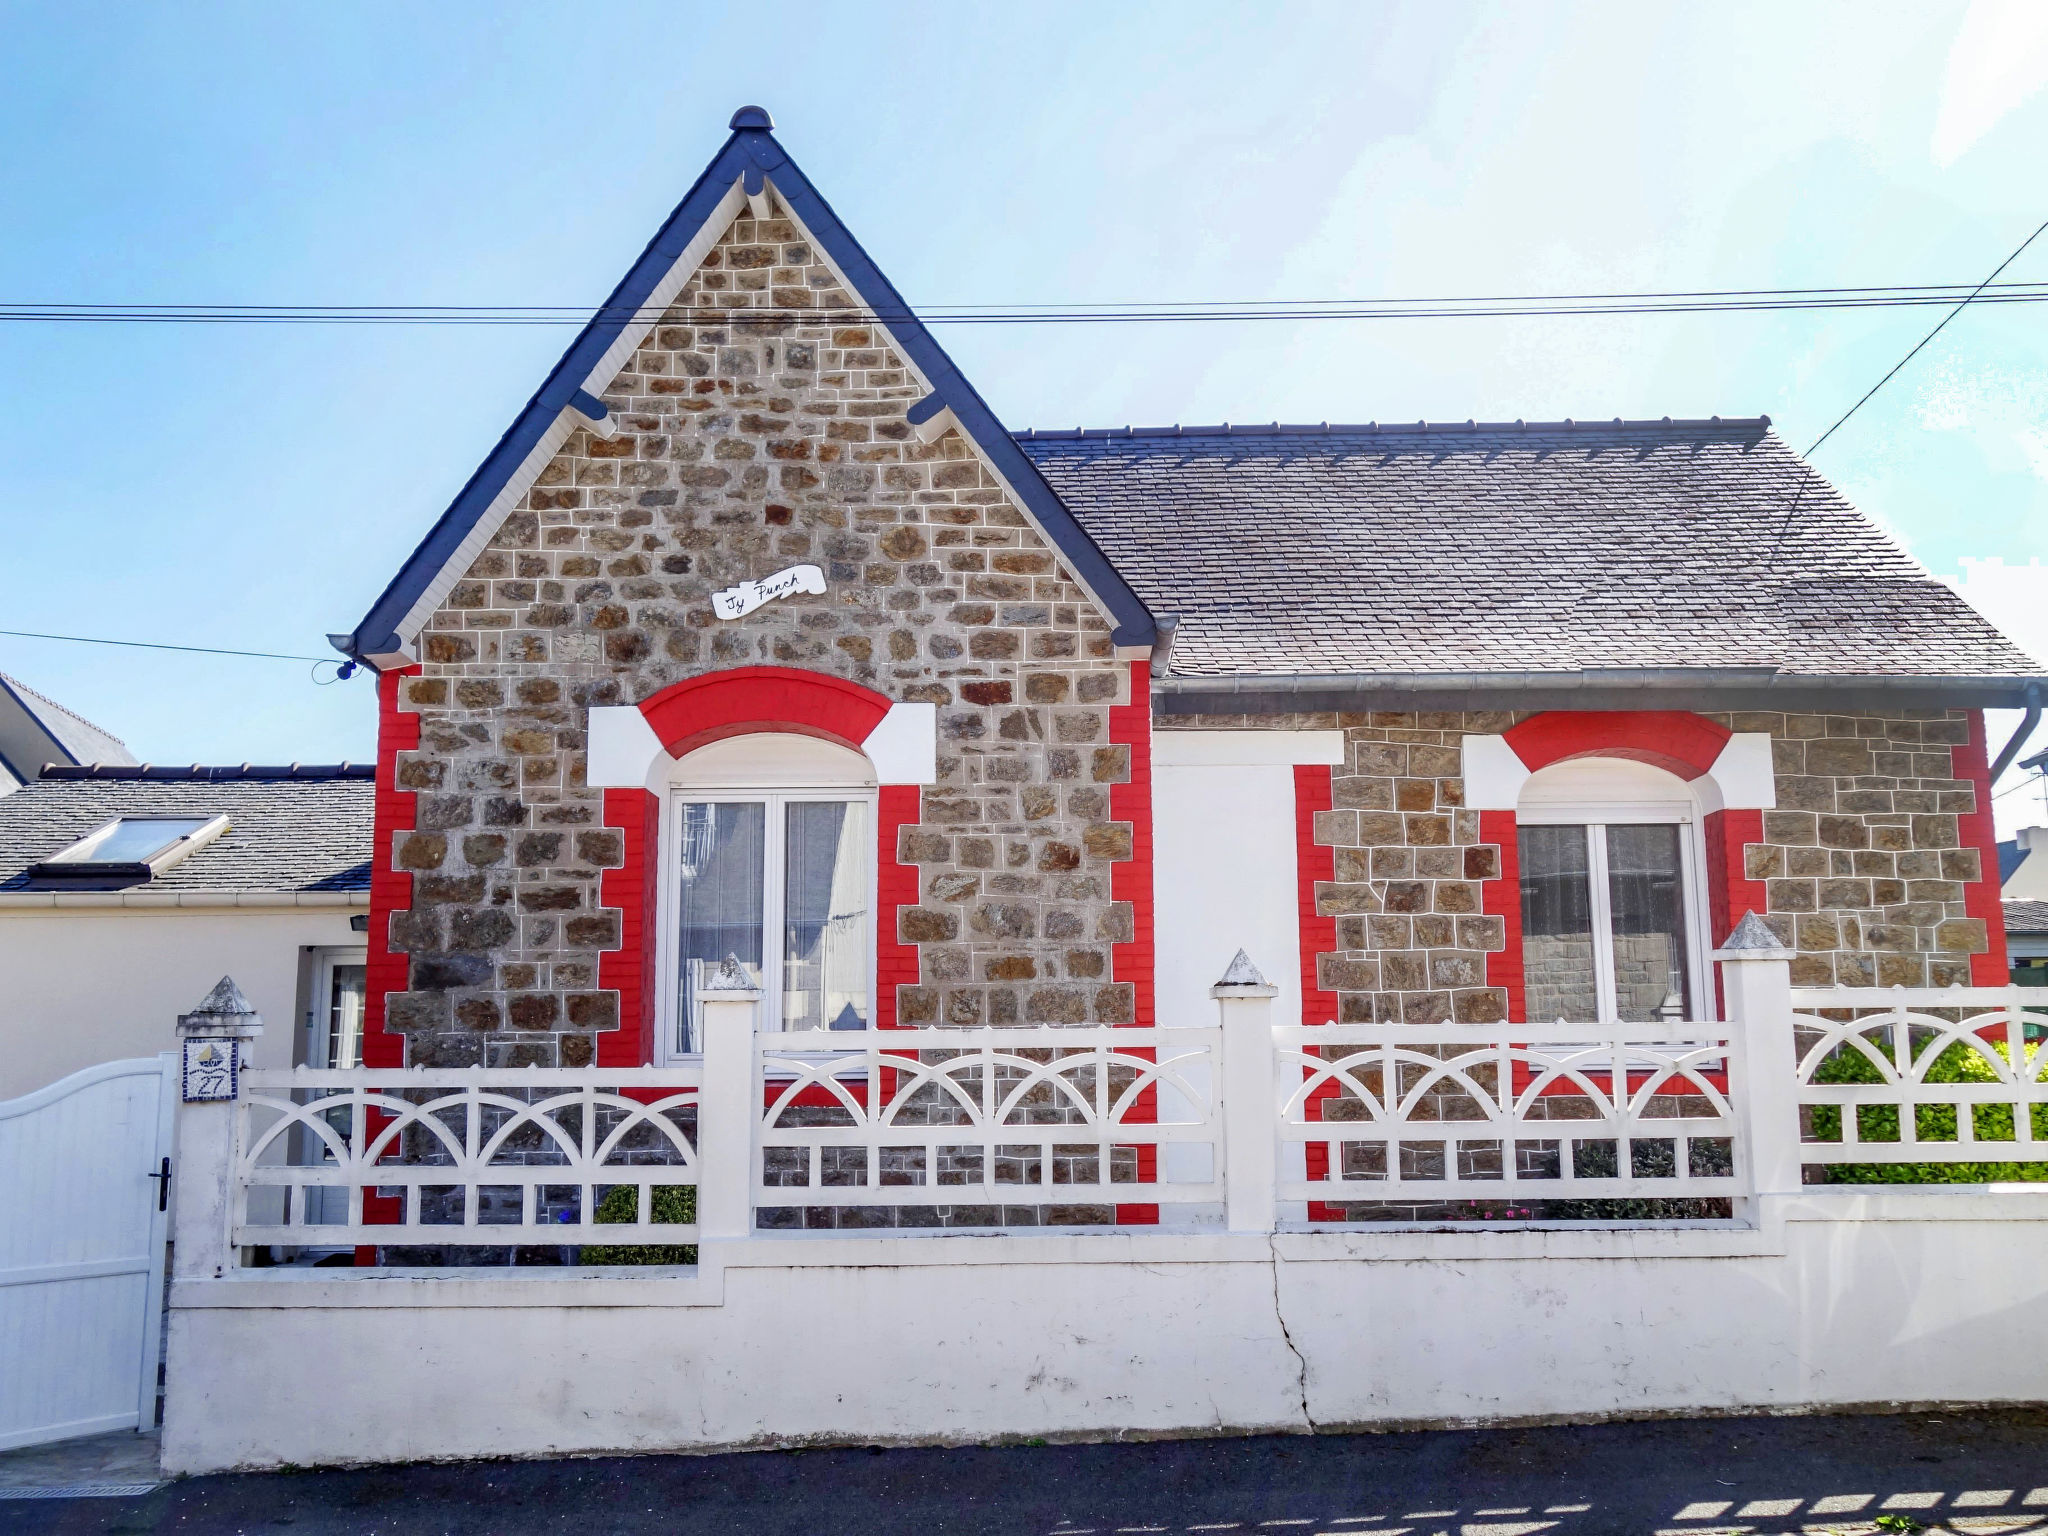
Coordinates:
x,y
750,153
1292,428
67,727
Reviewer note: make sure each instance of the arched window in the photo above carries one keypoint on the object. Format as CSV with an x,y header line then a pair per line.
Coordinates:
x,y
1614,897
769,842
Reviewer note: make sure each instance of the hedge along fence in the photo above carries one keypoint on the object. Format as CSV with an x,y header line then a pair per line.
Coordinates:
x,y
673,1205
1959,1063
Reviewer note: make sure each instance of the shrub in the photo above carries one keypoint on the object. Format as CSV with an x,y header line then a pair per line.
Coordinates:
x,y
672,1203
1959,1063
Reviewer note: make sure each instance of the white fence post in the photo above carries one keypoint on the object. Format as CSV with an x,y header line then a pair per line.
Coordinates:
x,y
1245,1000
212,1050
728,1104
1756,977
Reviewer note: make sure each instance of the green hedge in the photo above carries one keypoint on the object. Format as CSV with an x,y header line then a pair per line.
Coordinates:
x,y
1959,1063
673,1203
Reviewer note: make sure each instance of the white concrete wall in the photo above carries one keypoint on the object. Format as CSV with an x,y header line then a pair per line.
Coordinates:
x,y
1840,1299
80,986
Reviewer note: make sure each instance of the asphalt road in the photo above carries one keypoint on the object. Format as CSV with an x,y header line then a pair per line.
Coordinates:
x,y
1940,1470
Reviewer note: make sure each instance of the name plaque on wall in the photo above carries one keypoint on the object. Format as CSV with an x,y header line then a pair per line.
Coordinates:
x,y
737,602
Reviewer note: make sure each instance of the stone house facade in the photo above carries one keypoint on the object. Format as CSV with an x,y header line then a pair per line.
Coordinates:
x,y
756,506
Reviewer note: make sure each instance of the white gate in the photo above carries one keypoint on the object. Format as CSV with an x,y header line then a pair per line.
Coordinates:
x,y
82,1220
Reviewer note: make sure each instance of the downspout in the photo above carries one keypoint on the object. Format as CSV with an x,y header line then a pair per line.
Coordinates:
x,y
2020,734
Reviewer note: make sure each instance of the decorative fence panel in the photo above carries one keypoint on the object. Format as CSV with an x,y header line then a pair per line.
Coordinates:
x,y
977,1121
468,1157
1508,1113
1921,1075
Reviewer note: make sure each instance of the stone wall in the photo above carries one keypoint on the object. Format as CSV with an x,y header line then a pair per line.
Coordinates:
x,y
743,448
1862,866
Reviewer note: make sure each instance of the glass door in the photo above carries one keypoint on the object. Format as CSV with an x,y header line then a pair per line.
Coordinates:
x,y
333,1038
783,883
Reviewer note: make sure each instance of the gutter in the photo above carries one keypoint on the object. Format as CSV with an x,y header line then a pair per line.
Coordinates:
x,y
16,901
2020,734
1587,688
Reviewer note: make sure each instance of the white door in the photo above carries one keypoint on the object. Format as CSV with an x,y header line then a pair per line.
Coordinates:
x,y
83,1189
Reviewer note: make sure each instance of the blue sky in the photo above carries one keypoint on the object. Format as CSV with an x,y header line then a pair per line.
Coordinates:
x,y
256,486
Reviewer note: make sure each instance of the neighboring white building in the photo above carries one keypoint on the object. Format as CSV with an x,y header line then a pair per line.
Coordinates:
x,y
2023,865
127,891
35,730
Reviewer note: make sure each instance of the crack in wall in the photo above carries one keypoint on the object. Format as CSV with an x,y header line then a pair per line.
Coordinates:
x,y
1287,1338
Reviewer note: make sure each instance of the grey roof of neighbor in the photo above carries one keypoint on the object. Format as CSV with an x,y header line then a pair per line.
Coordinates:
x,y
2026,917
1497,548
35,729
304,829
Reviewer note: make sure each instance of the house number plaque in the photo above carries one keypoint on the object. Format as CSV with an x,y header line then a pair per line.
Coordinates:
x,y
213,1070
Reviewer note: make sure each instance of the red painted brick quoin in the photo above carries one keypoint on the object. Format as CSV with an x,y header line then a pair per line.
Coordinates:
x,y
1131,880
896,964
702,710
629,969
1313,862
1501,897
396,811
1976,830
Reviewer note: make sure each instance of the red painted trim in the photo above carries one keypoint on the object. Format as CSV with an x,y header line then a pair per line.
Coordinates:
x,y
395,811
1501,897
1312,862
1131,880
1730,891
701,710
1978,830
1674,740
896,964
630,890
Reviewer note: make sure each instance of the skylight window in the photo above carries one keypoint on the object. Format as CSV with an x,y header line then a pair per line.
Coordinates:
x,y
136,847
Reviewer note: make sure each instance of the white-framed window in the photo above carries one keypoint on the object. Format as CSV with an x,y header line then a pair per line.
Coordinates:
x,y
768,855
1614,900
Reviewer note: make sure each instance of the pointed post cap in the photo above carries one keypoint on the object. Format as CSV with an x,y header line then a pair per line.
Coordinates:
x,y
730,983
1242,979
752,117
1753,940
223,1013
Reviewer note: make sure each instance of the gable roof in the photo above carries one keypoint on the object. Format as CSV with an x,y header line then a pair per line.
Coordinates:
x,y
36,729
297,830
752,165
1567,558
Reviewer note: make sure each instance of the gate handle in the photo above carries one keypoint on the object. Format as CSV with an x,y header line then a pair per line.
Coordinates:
x,y
163,1189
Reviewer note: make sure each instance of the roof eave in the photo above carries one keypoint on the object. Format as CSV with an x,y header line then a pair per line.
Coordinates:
x,y
1614,688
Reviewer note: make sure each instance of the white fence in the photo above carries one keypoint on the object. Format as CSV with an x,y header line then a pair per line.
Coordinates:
x,y
465,1156
975,1121
1521,1112
1922,1075
1249,1124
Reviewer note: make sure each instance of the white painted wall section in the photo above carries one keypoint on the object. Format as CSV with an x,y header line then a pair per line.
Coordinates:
x,y
1743,774
622,747
1223,880
85,985
1494,776
905,747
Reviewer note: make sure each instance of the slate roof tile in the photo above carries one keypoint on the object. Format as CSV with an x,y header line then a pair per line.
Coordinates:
x,y
308,832
1508,547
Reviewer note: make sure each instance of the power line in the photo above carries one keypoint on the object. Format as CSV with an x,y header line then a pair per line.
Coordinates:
x,y
1495,306
1972,297
155,645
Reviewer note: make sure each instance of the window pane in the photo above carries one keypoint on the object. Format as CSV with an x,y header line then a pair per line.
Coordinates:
x,y
825,917
720,851
1557,924
1644,888
131,840
345,1017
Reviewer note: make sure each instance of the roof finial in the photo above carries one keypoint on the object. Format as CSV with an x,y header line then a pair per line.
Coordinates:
x,y
751,117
